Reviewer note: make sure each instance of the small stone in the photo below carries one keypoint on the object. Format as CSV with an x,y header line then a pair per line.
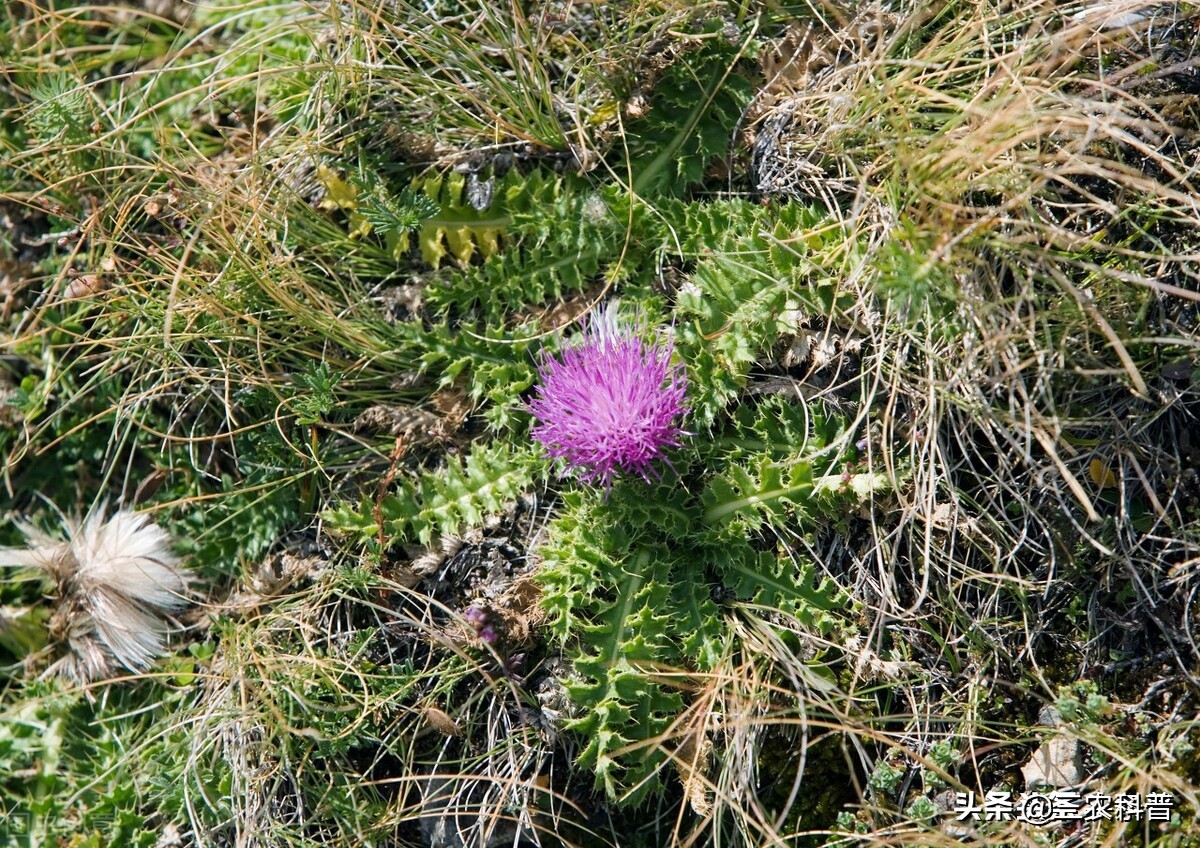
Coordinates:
x,y
945,800
1056,762
1049,716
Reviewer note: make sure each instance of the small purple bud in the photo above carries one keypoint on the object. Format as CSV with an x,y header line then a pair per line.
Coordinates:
x,y
489,634
861,444
475,617
516,663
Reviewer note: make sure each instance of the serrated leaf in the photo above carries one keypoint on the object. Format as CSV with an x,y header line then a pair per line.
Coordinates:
x,y
444,503
698,623
693,113
457,229
767,492
562,236
780,582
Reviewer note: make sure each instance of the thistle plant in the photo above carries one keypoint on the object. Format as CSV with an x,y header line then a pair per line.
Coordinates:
x,y
611,403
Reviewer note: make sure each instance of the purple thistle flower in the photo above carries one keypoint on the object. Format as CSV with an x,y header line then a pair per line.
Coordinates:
x,y
609,403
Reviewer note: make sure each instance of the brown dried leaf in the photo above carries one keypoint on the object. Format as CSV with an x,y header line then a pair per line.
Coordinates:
x,y
440,721
519,610
453,405
415,426
691,761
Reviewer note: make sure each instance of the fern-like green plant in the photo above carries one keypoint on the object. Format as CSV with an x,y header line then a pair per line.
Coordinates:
x,y
61,116
444,502
695,108
61,111
917,287
403,212
458,230
561,236
628,585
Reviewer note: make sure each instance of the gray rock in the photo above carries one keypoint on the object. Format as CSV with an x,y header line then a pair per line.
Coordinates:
x,y
1058,761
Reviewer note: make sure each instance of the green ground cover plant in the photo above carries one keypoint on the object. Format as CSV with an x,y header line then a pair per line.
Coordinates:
x,y
288,279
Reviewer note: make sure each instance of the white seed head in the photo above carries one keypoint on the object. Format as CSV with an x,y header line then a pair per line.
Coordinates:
x,y
594,209
131,555
116,581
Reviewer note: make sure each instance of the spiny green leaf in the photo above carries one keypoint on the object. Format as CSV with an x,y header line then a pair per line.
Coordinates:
x,y
694,111
698,622
766,491
457,230
459,496
495,365
624,642
562,237
780,582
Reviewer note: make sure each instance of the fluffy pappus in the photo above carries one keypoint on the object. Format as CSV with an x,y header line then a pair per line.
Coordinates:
x,y
116,581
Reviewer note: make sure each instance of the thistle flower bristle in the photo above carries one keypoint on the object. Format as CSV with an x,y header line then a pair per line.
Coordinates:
x,y
116,580
611,402
132,552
